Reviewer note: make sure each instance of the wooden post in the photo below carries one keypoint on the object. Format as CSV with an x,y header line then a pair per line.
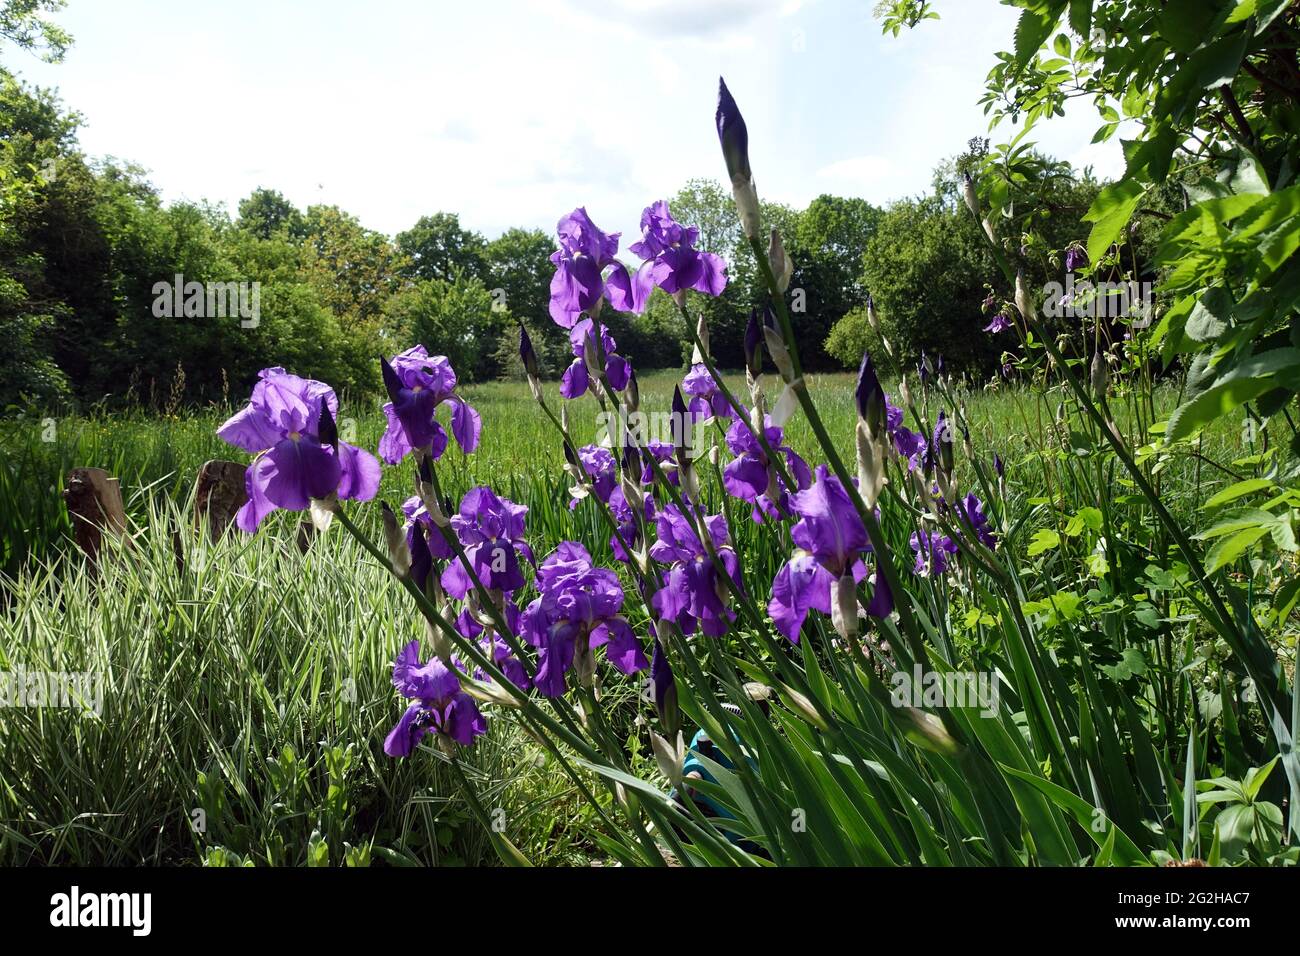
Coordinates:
x,y
94,501
218,494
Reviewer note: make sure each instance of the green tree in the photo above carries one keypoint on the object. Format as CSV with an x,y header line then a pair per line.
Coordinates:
x,y
265,212
353,269
458,318
25,24
436,247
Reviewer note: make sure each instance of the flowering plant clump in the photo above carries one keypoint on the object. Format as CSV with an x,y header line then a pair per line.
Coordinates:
x,y
904,549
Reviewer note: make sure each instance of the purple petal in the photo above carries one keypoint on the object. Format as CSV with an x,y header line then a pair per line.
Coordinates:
x,y
800,586
359,473
623,650
575,380
256,508
393,446
466,425
745,477
294,472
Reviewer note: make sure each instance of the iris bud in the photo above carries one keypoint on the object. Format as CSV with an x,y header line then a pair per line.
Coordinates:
x,y
1099,375
1023,303
782,266
734,137
399,555
870,398
970,195
777,349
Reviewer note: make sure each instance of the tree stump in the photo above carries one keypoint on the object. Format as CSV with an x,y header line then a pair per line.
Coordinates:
x,y
218,495
306,535
94,501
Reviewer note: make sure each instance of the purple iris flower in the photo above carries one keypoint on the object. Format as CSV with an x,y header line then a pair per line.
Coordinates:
x,y
295,463
706,398
576,379
672,261
999,323
581,279
829,527
1074,258
439,704
932,550
692,595
598,463
491,530
417,385
504,658
577,611
971,512
750,476
830,539
907,443
998,466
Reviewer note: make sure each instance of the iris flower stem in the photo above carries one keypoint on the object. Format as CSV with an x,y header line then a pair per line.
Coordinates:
x,y
759,434
648,581
485,596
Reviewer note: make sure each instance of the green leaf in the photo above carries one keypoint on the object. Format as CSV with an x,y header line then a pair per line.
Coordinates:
x,y
1045,539
1187,23
1238,490
1229,549
1211,316
1110,213
1081,17
1250,379
1125,850
1032,31
1219,62
1255,778
1090,518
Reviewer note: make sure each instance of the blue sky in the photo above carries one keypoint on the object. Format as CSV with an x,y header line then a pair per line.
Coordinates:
x,y
512,113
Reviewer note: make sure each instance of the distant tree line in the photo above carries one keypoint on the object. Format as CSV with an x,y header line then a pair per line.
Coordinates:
x,y
86,246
